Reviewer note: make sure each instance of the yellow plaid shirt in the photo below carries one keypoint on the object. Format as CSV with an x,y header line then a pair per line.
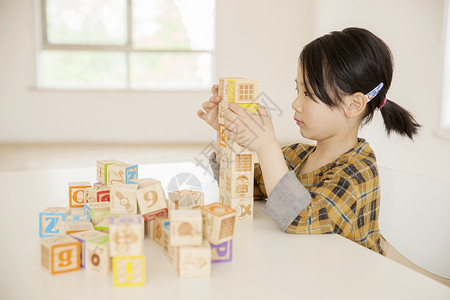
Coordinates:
x,y
345,194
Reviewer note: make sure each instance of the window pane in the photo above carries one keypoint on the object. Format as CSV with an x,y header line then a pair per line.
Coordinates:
x,y
88,22
82,69
170,70
173,24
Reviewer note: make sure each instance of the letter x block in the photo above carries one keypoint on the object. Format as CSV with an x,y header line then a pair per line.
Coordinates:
x,y
76,193
83,236
97,255
126,235
218,223
60,254
51,221
129,270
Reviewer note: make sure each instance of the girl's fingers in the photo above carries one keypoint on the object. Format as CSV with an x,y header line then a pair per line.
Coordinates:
x,y
201,114
215,90
208,106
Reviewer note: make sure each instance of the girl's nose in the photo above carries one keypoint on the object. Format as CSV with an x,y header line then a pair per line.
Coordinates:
x,y
296,105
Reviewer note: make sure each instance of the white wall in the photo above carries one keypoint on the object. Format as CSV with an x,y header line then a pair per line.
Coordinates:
x,y
251,42
255,39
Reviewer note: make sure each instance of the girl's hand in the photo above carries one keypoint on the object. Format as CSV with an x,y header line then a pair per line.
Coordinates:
x,y
211,107
254,131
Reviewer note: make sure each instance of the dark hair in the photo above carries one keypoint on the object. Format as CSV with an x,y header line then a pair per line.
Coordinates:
x,y
354,60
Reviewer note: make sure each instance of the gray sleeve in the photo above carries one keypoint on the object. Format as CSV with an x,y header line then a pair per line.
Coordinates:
x,y
287,200
214,166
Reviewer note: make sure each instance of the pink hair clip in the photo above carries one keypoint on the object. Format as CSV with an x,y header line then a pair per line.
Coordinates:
x,y
384,102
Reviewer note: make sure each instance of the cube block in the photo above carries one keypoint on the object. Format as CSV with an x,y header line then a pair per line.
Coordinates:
x,y
51,221
129,270
123,199
126,235
97,255
218,222
76,193
186,228
194,261
60,254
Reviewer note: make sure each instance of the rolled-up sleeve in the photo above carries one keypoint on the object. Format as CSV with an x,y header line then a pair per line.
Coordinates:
x,y
287,200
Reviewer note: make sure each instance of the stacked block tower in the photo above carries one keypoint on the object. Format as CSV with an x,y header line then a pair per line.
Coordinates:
x,y
236,162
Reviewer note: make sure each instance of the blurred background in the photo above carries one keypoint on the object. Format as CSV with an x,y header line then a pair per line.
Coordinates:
x,y
82,80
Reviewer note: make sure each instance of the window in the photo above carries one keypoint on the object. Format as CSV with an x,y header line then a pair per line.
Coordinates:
x,y
126,44
445,118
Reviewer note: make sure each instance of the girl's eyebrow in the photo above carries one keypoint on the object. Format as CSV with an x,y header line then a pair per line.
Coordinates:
x,y
301,83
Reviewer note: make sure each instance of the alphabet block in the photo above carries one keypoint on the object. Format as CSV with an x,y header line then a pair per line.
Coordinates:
x,y
243,207
103,226
76,226
126,235
97,255
151,200
241,90
222,252
194,261
121,173
83,236
97,193
145,182
123,199
129,270
186,228
102,169
218,222
160,222
76,193
149,229
51,221
60,254
185,199
98,211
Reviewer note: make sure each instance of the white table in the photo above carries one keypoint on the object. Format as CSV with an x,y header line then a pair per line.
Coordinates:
x,y
267,263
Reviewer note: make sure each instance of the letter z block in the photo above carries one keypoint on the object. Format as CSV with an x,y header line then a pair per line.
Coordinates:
x,y
121,174
51,221
60,254
129,270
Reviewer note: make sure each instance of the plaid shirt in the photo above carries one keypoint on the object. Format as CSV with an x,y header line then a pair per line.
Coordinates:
x,y
345,194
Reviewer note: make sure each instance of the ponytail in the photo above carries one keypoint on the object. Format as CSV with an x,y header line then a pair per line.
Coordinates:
x,y
399,120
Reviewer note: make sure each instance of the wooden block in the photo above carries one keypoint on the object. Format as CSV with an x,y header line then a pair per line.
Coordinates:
x,y
186,228
76,226
126,235
129,270
121,173
243,207
51,221
97,255
103,226
123,199
218,222
222,252
149,229
152,200
60,254
102,169
97,193
185,199
194,261
166,238
98,211
241,90
160,221
145,182
76,193
83,236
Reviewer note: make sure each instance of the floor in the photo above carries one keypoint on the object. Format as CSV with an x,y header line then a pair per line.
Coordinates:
x,y
23,157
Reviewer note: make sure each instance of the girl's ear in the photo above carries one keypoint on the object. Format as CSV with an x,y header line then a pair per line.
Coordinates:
x,y
355,105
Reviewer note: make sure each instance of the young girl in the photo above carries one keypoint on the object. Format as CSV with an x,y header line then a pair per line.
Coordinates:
x,y
342,80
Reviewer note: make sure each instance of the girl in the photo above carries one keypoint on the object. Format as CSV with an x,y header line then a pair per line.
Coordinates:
x,y
342,79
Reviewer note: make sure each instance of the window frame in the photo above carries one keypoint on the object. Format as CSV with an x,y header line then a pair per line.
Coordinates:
x,y
444,130
45,45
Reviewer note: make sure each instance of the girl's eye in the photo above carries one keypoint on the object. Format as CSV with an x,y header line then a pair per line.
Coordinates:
x,y
307,94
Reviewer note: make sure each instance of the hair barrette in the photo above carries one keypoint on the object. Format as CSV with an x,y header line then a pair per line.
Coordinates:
x,y
370,95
